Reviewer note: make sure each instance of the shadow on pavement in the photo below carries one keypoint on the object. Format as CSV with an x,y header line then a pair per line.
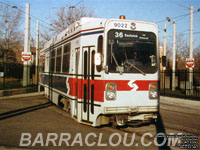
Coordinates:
x,y
160,129
21,111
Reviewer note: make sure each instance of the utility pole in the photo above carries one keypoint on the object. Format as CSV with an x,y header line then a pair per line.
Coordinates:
x,y
174,57
26,71
164,55
191,47
164,43
37,52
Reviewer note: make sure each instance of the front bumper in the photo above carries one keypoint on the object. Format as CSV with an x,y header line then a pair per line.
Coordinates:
x,y
131,110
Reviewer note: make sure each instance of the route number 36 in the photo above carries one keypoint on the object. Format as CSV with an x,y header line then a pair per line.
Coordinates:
x,y
119,34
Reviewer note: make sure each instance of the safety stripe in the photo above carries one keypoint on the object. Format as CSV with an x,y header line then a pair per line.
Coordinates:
x,y
75,87
77,35
99,86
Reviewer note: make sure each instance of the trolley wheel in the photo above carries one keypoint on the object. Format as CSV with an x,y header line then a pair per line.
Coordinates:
x,y
66,104
115,124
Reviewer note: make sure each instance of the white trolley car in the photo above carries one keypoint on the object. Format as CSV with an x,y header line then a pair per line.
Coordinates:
x,y
97,69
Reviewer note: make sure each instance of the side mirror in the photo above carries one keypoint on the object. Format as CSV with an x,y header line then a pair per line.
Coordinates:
x,y
164,61
153,60
97,58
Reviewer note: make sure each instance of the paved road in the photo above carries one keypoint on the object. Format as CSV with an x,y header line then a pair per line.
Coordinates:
x,y
43,121
181,118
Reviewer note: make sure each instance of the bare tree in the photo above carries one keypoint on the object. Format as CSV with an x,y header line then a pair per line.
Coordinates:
x,y
66,16
63,18
10,20
45,35
182,46
10,35
197,58
182,50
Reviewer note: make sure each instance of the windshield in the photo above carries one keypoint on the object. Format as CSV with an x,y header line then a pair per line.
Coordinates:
x,y
131,52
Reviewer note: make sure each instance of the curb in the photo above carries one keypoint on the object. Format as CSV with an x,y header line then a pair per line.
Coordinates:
x,y
179,101
18,91
22,95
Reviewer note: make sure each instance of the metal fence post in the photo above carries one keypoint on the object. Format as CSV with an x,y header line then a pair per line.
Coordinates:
x,y
179,79
185,84
170,79
164,81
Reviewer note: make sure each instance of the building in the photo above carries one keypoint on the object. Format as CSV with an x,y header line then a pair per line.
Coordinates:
x,y
18,53
161,54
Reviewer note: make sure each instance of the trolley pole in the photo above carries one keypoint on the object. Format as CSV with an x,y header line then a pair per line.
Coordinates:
x,y
26,71
174,57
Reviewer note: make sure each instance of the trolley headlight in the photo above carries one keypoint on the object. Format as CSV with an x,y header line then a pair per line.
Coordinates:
x,y
111,91
153,91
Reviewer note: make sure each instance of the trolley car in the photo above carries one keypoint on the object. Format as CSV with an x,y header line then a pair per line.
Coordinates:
x,y
98,69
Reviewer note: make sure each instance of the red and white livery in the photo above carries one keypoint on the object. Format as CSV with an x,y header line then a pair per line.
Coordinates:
x,y
100,69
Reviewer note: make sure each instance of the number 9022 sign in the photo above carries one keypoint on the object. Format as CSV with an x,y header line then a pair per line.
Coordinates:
x,y
120,25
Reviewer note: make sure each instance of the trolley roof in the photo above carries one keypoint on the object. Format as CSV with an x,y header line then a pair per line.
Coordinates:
x,y
84,24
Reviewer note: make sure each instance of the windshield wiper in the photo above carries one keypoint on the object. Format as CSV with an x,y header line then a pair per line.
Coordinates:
x,y
128,64
113,55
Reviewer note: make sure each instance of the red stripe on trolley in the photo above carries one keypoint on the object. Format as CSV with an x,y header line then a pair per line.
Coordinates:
x,y
100,85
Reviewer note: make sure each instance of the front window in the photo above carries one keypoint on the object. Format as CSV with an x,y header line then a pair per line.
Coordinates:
x,y
131,52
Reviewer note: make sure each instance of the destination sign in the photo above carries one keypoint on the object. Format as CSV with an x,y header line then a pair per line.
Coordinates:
x,y
134,35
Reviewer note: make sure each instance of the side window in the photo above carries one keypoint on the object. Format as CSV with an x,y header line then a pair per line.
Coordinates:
x,y
52,60
42,63
66,58
58,59
85,65
100,50
93,65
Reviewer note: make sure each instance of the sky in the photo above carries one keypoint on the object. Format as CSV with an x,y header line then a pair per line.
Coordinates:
x,y
146,10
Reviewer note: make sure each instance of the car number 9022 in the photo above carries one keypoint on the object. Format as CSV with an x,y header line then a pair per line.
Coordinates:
x,y
120,25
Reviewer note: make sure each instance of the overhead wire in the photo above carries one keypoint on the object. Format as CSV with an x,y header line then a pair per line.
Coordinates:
x,y
183,34
64,6
181,5
180,17
50,25
34,17
78,2
172,18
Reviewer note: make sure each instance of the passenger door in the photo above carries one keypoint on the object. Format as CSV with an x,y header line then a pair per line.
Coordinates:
x,y
77,72
88,83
